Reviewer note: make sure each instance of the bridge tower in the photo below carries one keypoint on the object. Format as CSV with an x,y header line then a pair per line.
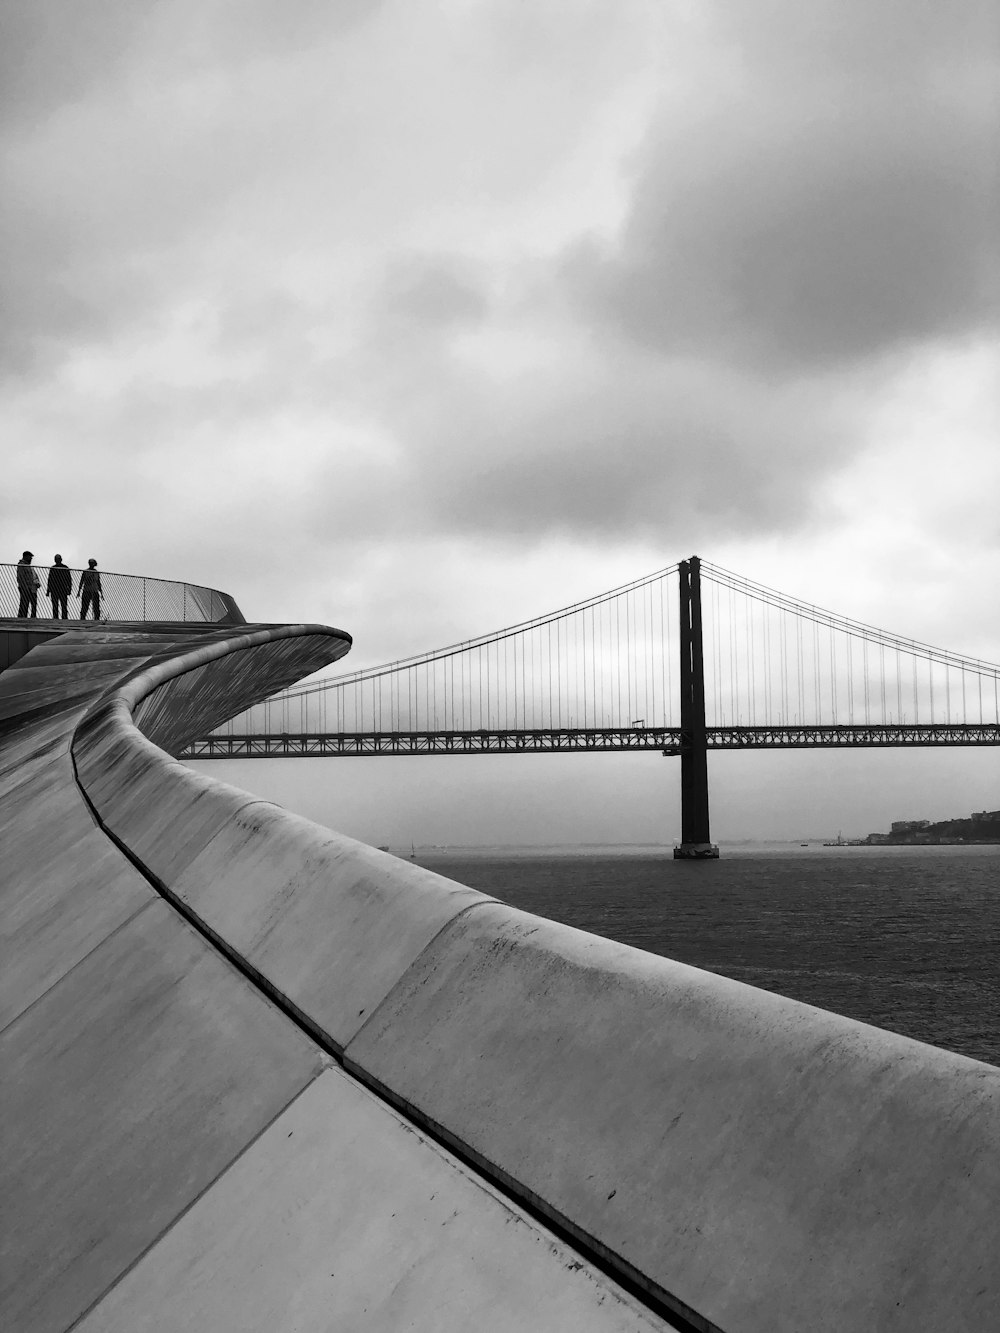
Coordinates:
x,y
696,843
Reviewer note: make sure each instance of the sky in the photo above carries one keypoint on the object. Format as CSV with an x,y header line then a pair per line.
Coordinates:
x,y
419,319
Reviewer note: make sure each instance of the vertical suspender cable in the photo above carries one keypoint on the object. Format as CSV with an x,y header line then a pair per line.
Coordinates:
x,y
733,653
618,657
629,664
853,691
930,682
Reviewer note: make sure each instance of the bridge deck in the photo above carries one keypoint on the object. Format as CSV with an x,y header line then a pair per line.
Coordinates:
x,y
306,745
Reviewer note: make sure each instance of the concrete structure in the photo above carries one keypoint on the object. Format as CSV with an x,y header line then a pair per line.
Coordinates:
x,y
178,1152
264,1077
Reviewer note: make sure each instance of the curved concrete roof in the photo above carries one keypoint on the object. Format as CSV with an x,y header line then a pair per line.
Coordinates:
x,y
179,1150
266,1077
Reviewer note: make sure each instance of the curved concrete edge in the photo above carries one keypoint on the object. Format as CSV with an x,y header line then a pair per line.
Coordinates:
x,y
180,701
148,678
137,1063
154,1098
118,767
758,1162
326,923
330,924
753,1162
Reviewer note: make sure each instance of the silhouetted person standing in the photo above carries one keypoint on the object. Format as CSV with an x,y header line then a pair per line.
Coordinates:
x,y
90,590
58,588
28,584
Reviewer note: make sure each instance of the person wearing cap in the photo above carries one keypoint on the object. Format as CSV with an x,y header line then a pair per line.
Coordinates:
x,y
28,584
90,590
58,588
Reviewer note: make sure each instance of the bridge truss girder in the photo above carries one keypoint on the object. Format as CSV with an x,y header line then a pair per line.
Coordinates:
x,y
575,739
851,737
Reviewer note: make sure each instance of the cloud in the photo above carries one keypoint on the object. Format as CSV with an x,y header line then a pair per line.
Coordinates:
x,y
390,273
430,294
832,194
422,318
223,147
790,251
587,444
57,54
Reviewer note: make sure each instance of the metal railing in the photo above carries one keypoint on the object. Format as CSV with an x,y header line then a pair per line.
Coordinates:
x,y
124,597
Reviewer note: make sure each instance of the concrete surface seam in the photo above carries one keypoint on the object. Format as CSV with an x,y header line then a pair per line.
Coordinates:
x,y
469,907
659,1301
602,1259
220,945
193,1202
72,968
181,907
656,1298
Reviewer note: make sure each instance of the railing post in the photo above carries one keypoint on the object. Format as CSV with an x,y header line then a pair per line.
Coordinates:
x,y
696,842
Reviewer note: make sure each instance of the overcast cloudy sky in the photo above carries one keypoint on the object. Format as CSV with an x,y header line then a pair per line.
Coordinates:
x,y
422,318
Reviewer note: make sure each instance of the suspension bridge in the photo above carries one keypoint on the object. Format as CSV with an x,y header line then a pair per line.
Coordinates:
x,y
689,659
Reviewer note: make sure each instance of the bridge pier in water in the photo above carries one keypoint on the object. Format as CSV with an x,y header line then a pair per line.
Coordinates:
x,y
696,841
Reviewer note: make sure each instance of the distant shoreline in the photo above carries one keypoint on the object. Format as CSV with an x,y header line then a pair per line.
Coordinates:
x,y
981,829
936,842
776,846
928,842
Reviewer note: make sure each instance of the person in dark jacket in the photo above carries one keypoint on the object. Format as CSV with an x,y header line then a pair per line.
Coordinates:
x,y
90,590
27,587
58,588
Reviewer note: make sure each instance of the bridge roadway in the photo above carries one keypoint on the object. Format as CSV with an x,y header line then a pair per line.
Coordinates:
x,y
307,745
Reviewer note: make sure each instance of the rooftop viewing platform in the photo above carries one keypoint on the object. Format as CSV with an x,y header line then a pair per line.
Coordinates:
x,y
39,601
123,597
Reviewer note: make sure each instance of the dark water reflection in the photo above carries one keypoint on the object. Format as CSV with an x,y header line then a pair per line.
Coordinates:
x,y
905,938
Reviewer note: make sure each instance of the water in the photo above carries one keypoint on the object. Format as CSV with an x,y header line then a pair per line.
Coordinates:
x,y
905,938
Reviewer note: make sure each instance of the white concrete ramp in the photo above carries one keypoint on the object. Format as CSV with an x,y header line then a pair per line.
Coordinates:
x,y
747,1162
178,1152
342,1217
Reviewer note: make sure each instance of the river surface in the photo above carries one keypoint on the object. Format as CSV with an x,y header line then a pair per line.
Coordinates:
x,y
906,938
